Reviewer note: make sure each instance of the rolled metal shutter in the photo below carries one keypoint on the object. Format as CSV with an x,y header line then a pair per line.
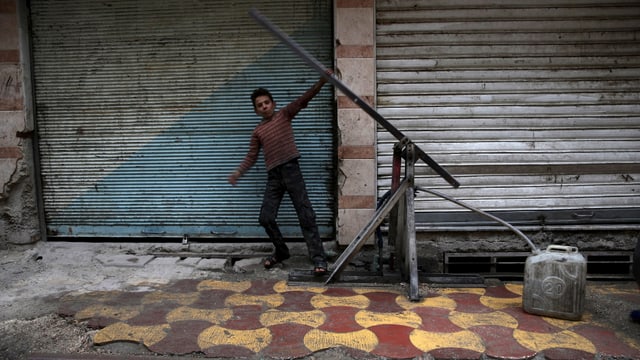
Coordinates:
x,y
143,110
534,106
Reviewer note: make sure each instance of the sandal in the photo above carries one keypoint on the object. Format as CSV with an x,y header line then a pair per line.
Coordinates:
x,y
320,268
272,260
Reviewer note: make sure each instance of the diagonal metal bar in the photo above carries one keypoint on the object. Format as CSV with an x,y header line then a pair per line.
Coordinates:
x,y
315,64
367,231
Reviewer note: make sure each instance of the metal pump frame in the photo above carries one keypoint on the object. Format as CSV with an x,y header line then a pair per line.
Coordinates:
x,y
400,205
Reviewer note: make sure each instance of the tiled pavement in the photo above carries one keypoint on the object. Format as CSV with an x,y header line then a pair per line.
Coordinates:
x,y
272,319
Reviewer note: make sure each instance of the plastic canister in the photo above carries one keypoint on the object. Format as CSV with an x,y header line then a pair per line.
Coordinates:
x,y
554,283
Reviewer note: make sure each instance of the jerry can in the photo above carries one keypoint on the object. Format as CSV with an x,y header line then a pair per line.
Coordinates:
x,y
555,282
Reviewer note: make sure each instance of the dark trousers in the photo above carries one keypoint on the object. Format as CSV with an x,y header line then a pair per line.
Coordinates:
x,y
288,178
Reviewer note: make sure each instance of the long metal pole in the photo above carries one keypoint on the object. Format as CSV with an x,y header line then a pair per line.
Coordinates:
x,y
315,64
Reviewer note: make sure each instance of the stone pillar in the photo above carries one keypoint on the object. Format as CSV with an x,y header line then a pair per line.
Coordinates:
x,y
355,58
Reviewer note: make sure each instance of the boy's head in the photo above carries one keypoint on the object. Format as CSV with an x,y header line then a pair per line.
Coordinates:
x,y
260,92
263,103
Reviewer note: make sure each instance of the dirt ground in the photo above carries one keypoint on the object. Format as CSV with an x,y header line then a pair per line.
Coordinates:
x,y
29,323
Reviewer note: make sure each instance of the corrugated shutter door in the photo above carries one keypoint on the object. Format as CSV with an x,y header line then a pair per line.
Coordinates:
x,y
533,106
143,110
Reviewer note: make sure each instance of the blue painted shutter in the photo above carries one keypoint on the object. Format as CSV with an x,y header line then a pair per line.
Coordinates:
x,y
143,110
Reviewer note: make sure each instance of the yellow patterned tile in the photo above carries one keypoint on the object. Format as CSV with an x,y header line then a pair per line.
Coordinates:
x,y
185,313
121,313
515,288
474,291
368,319
254,340
565,324
237,286
282,286
364,340
374,290
147,335
467,320
160,296
427,341
499,303
321,301
272,300
435,302
313,318
565,339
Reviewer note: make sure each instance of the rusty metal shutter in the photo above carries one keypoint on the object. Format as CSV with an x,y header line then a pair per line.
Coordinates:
x,y
143,110
534,106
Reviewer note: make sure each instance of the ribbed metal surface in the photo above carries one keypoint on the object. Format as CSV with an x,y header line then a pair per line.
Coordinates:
x,y
532,105
143,110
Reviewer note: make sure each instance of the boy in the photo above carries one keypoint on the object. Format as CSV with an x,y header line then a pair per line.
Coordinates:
x,y
275,135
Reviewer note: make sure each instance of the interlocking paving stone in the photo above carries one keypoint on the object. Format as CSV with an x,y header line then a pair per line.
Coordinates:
x,y
272,319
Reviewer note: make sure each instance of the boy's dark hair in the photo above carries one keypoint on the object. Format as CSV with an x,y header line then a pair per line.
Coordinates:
x,y
260,92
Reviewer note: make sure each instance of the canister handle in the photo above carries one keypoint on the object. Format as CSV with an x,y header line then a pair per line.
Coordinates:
x,y
562,248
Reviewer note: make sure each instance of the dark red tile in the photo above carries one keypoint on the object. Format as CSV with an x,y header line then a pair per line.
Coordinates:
x,y
287,341
339,291
246,317
153,314
499,342
340,319
469,303
260,287
183,286
455,353
182,338
127,298
101,322
297,301
500,292
228,351
436,320
394,342
531,322
383,302
567,354
606,341
212,299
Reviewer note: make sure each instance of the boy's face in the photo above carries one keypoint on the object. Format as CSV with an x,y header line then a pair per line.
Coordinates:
x,y
264,106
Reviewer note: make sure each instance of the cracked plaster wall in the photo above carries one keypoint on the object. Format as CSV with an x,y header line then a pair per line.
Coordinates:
x,y
18,216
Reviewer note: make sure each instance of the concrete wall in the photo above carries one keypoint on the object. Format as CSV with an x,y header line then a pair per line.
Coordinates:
x,y
19,220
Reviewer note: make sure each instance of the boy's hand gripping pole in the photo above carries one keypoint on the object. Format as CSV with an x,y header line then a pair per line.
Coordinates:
x,y
315,64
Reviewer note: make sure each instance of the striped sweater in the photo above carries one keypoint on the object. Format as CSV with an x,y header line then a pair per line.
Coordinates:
x,y
275,135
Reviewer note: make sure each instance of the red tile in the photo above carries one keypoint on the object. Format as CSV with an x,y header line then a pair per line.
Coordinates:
x,y
436,320
340,319
246,317
469,303
153,314
383,302
183,286
455,353
182,338
228,351
499,342
606,341
339,291
287,341
500,292
212,299
297,301
531,322
260,287
567,354
394,342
